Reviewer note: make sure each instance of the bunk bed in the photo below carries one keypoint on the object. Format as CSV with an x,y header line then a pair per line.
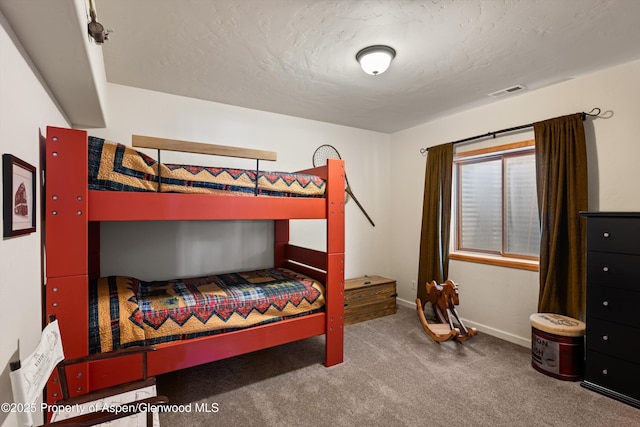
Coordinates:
x,y
73,214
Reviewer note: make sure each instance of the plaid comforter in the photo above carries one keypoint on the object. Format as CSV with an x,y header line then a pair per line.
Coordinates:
x,y
125,311
117,167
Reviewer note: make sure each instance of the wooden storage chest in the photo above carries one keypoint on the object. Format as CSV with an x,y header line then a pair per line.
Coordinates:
x,y
368,297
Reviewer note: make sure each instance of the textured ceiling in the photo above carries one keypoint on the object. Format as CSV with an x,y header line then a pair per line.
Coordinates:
x,y
297,57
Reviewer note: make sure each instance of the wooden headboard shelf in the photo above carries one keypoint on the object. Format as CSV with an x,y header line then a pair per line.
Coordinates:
x,y
140,141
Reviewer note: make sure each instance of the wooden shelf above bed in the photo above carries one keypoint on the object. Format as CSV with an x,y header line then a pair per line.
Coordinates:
x,y
140,141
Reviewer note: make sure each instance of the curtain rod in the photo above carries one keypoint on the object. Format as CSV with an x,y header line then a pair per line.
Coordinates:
x,y
595,112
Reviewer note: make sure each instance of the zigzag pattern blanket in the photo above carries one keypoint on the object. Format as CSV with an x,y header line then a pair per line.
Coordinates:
x,y
117,167
124,311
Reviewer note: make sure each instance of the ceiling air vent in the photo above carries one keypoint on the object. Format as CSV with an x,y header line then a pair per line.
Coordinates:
x,y
507,91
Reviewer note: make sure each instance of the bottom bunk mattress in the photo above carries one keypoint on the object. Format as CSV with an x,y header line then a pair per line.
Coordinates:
x,y
124,311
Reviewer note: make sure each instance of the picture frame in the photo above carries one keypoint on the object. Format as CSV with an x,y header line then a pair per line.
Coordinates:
x,y
18,196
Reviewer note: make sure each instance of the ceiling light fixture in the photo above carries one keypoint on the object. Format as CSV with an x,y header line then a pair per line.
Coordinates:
x,y
376,59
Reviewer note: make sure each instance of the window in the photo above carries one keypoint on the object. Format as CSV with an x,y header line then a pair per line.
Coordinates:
x,y
495,216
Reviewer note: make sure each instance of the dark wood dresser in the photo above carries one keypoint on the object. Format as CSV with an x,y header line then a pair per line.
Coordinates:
x,y
612,364
368,297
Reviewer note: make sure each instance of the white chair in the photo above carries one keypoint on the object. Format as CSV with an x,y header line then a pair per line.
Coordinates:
x,y
101,406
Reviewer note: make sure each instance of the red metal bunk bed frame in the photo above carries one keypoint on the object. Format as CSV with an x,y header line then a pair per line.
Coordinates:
x,y
72,232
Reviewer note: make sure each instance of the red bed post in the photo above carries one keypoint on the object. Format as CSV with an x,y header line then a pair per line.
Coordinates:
x,y
66,249
335,263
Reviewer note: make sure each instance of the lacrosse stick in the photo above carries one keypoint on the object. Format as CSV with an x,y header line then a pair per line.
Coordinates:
x,y
320,157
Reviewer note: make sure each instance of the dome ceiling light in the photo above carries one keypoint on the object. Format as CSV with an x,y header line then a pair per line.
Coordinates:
x,y
376,59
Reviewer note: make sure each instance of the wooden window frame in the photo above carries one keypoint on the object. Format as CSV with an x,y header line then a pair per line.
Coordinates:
x,y
501,258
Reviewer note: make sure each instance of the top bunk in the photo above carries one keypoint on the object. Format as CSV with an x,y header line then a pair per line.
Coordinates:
x,y
76,183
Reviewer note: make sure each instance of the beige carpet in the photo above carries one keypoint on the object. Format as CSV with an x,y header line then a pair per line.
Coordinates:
x,y
393,375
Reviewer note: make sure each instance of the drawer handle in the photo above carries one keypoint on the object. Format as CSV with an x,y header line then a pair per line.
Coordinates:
x,y
605,234
605,338
605,372
605,303
605,269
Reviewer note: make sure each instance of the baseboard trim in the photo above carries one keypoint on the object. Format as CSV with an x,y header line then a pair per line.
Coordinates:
x,y
405,303
507,336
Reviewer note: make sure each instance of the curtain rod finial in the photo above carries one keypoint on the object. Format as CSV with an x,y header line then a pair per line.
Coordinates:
x,y
595,112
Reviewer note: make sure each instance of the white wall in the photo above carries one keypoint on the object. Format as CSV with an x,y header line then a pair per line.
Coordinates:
x,y
25,107
496,299
168,249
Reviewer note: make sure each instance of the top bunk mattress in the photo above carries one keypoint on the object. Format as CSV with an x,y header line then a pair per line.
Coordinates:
x,y
116,167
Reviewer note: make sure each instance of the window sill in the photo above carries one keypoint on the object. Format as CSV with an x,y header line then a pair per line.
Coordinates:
x,y
522,264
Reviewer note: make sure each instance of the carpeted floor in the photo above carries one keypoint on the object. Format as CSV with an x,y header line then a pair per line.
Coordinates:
x,y
392,375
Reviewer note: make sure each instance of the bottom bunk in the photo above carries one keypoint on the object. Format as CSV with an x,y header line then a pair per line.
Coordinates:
x,y
125,311
192,321
309,302
133,312
195,321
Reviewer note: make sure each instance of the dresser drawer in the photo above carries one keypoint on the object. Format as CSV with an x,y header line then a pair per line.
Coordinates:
x,y
613,373
615,305
621,235
617,340
613,270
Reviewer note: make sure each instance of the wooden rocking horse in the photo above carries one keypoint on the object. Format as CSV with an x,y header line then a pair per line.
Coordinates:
x,y
444,298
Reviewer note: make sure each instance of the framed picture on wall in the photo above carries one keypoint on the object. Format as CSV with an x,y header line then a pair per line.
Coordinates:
x,y
18,196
